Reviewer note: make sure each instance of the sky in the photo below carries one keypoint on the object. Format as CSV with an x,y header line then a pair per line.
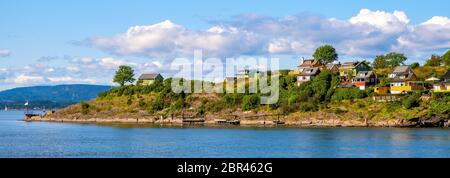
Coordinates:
x,y
50,42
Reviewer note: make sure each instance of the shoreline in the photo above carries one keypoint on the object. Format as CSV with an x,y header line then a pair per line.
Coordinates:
x,y
286,123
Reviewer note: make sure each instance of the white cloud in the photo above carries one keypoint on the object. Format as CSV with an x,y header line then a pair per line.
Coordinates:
x,y
438,20
154,39
72,69
78,70
366,34
112,63
431,35
67,79
26,79
388,22
4,53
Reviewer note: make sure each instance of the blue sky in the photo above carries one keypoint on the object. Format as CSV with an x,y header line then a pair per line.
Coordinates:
x,y
69,34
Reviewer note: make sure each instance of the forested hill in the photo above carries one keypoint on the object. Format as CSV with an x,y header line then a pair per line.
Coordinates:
x,y
50,95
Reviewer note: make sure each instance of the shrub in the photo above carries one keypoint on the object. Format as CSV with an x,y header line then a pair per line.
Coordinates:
x,y
215,106
142,103
84,107
348,94
440,107
308,107
339,111
201,110
250,102
440,103
293,100
129,101
411,101
231,100
157,104
179,104
102,95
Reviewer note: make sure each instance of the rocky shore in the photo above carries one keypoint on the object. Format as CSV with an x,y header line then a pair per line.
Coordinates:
x,y
311,120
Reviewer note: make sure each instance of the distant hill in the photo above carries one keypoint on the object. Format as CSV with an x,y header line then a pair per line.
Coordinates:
x,y
50,96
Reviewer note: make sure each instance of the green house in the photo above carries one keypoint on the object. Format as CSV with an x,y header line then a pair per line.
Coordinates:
x,y
150,78
349,70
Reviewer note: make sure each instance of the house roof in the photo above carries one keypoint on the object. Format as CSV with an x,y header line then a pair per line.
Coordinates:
x,y
148,76
406,78
350,64
402,69
309,63
364,74
310,71
330,66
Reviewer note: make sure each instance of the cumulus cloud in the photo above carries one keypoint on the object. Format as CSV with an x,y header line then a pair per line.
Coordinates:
x,y
26,79
388,22
4,53
430,35
366,34
78,70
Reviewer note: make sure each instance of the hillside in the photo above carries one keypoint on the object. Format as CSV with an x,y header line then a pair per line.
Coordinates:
x,y
315,103
50,96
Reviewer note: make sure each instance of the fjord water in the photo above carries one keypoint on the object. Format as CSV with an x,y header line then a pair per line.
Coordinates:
x,y
40,139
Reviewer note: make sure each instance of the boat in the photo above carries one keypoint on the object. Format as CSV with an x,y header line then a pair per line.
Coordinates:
x,y
6,108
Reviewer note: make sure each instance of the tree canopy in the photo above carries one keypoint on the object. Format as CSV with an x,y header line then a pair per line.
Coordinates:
x,y
434,61
124,75
446,58
325,54
415,65
389,60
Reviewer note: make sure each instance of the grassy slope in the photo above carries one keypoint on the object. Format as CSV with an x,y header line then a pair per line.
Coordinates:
x,y
125,106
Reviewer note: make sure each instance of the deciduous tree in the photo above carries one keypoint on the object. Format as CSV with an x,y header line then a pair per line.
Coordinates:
x,y
124,75
325,54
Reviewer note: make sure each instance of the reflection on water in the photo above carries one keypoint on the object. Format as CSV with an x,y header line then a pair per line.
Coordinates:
x,y
40,139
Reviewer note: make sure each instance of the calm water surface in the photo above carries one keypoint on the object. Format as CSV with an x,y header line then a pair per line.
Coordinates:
x,y
39,139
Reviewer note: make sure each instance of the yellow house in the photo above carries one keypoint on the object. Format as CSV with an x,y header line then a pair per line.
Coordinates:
x,y
403,80
443,86
150,78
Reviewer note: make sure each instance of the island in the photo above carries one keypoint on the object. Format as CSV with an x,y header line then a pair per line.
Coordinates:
x,y
319,93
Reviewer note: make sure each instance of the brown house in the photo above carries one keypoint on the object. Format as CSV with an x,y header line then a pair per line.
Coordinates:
x,y
309,63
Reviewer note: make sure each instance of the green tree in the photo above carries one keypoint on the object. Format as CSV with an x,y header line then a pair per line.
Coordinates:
x,y
434,61
379,62
250,102
84,107
157,104
415,65
124,75
395,59
326,54
389,60
446,58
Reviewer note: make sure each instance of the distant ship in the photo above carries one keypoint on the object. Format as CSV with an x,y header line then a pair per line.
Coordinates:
x,y
6,108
